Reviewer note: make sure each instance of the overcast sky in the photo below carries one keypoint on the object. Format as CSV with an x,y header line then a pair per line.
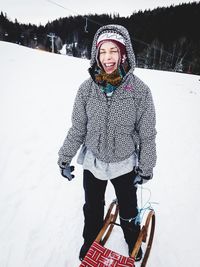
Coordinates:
x,y
42,11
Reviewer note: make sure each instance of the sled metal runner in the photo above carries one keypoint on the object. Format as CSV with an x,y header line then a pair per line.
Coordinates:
x,y
99,256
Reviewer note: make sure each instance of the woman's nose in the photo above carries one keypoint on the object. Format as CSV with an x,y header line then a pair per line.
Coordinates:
x,y
108,55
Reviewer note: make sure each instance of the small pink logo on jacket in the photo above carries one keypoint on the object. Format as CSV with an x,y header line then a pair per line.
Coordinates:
x,y
128,87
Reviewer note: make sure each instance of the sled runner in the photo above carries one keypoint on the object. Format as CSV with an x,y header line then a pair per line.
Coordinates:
x,y
100,256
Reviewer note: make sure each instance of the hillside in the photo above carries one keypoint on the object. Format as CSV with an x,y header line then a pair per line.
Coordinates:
x,y
41,212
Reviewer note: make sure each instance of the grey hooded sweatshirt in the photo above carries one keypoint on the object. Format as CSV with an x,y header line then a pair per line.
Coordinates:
x,y
113,129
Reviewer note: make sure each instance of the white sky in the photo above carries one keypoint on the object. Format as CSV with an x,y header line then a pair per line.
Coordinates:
x,y
42,11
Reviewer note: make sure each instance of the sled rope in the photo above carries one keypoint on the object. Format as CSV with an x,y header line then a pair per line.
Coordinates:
x,y
144,208
147,206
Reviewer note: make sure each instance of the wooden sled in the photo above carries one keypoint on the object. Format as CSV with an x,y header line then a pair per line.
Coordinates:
x,y
100,256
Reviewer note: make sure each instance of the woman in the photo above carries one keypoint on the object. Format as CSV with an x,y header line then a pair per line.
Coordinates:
x,y
114,121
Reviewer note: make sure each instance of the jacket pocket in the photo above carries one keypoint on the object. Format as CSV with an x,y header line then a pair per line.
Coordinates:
x,y
93,138
124,143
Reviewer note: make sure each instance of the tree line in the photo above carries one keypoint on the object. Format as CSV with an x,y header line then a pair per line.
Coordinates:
x,y
163,38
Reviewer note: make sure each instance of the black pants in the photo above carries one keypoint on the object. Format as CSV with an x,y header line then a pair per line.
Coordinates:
x,y
94,206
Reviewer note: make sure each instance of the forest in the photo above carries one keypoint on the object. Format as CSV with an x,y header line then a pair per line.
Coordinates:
x,y
163,38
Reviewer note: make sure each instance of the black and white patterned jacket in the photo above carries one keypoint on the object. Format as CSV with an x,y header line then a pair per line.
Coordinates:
x,y
112,129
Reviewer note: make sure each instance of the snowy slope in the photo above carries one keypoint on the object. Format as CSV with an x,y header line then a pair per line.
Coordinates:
x,y
40,212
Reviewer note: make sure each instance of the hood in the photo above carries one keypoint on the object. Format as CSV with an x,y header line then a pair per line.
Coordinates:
x,y
121,30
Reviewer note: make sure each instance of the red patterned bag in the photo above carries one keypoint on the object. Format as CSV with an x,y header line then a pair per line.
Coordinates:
x,y
99,256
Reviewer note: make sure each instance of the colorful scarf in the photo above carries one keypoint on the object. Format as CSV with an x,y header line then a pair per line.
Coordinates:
x,y
109,82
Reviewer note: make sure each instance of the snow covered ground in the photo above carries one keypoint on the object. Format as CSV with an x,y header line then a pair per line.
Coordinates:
x,y
41,216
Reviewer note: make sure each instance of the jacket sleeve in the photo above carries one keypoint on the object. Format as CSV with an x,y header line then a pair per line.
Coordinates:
x,y
76,134
146,123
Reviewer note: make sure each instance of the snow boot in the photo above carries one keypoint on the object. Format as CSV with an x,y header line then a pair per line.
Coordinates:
x,y
131,233
83,251
138,257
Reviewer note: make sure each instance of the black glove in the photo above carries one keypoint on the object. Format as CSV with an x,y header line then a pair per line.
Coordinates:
x,y
67,171
140,179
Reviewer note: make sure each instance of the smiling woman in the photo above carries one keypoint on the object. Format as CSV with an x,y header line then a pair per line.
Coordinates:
x,y
110,47
114,121
109,56
111,59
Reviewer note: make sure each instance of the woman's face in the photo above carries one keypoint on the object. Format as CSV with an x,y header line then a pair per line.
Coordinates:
x,y
109,56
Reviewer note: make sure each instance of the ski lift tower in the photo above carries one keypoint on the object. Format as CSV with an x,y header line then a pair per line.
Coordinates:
x,y
52,36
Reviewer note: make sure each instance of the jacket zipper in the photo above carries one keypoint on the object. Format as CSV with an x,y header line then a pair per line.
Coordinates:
x,y
108,102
